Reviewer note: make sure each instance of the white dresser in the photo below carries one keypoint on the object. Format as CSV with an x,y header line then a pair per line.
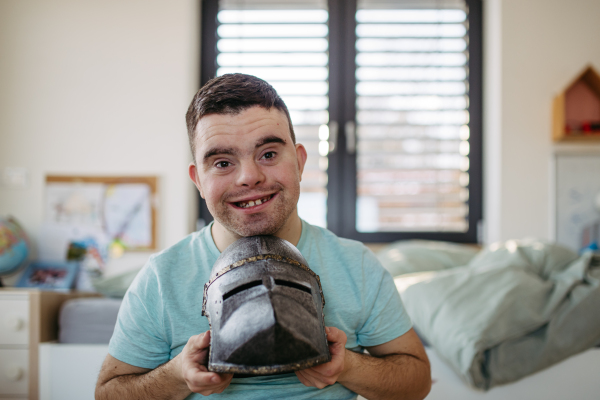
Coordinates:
x,y
27,318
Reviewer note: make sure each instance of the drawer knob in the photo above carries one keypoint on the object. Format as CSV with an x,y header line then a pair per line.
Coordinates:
x,y
15,323
14,373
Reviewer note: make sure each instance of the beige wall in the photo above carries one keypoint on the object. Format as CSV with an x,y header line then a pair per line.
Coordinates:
x,y
100,88
534,48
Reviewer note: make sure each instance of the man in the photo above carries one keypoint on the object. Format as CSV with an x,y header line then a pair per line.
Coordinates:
x,y
248,168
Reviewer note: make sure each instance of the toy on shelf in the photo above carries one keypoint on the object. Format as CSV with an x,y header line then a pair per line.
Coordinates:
x,y
576,113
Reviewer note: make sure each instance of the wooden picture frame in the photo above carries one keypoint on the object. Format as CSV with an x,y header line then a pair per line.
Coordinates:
x,y
95,190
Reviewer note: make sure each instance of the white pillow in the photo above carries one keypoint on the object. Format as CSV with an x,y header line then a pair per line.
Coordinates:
x,y
409,256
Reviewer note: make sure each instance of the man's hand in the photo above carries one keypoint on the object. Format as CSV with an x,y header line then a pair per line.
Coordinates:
x,y
173,380
328,373
194,359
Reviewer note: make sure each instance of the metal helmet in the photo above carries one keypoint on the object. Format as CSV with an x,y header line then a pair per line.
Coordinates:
x,y
265,309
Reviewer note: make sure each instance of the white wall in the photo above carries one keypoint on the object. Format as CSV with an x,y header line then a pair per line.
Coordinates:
x,y
98,88
533,50
101,87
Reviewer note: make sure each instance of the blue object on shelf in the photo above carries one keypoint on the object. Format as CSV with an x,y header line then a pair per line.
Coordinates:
x,y
49,275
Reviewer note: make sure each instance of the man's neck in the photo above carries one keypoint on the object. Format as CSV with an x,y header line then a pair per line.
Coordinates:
x,y
290,231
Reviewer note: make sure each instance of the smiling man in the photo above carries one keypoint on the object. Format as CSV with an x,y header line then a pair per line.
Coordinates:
x,y
247,166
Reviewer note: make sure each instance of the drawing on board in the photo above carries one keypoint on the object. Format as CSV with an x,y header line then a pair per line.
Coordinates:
x,y
123,208
578,201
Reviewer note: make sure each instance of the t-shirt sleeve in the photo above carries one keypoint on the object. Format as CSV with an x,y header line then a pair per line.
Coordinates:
x,y
139,338
384,314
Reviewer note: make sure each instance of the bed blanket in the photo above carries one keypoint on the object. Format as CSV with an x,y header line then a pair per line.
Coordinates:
x,y
516,308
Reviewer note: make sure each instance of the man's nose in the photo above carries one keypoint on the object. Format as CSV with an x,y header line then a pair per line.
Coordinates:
x,y
250,174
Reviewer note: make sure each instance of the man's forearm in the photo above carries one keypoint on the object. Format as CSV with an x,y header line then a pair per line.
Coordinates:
x,y
395,376
157,384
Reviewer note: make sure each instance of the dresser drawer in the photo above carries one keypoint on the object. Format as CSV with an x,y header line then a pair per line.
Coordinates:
x,y
14,320
14,376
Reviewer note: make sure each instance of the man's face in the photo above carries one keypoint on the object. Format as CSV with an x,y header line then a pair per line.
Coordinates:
x,y
248,170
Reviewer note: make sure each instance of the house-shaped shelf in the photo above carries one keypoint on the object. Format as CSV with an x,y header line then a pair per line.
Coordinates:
x,y
576,113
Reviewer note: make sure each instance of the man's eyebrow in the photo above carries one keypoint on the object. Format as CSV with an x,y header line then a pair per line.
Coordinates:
x,y
218,151
269,139
231,151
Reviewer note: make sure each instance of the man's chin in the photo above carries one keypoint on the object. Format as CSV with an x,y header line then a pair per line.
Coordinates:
x,y
262,226
245,231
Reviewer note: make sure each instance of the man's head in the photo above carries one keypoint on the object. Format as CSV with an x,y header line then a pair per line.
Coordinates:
x,y
231,94
247,165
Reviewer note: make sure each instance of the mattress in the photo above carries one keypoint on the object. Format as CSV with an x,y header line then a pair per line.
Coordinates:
x,y
575,378
88,320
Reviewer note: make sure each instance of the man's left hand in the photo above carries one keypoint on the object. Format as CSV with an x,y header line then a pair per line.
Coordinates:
x,y
328,373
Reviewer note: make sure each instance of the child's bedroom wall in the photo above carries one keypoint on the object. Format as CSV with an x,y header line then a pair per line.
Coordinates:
x,y
101,87
533,49
98,88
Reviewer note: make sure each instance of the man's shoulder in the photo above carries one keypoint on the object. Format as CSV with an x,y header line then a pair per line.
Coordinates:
x,y
178,248
329,242
189,260
194,248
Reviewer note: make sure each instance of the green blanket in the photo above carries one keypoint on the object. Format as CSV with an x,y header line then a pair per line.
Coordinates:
x,y
514,309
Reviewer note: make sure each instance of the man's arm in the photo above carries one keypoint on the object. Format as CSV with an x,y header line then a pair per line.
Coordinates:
x,y
398,369
176,379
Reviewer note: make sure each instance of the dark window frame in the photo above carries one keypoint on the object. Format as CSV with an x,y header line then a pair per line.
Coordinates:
x,y
341,188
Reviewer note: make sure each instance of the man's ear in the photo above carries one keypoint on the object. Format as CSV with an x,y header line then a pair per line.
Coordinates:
x,y
193,172
301,156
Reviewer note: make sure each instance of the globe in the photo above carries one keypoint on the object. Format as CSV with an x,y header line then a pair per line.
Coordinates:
x,y
13,246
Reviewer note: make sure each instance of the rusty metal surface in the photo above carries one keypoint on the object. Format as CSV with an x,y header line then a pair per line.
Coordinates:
x,y
265,309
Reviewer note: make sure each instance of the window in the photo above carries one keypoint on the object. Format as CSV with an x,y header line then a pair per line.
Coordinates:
x,y
386,97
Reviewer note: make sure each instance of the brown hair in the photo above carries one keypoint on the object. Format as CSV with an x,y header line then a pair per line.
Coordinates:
x,y
232,94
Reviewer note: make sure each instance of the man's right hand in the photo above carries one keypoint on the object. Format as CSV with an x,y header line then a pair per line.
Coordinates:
x,y
193,362
173,380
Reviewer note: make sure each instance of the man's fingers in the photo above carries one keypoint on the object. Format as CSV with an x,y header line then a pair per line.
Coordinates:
x,y
336,349
194,370
201,380
332,368
217,389
199,342
302,379
209,382
307,379
335,335
337,340
327,374
311,375
310,378
198,378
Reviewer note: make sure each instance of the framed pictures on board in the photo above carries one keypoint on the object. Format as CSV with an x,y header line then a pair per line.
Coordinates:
x,y
122,208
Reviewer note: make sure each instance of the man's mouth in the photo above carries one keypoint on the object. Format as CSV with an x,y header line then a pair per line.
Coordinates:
x,y
252,203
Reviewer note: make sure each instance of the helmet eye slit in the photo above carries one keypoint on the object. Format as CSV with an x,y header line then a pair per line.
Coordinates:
x,y
294,285
241,288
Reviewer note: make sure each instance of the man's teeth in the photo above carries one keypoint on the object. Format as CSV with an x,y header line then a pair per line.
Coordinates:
x,y
252,203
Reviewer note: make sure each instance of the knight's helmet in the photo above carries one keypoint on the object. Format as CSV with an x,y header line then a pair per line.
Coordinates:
x,y
265,309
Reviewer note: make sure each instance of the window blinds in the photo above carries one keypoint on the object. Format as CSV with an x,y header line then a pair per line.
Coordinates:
x,y
412,116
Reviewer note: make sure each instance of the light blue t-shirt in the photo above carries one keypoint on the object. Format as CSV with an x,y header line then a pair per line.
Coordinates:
x,y
162,308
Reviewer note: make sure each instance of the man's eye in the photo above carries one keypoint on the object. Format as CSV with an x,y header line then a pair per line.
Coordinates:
x,y
269,154
222,164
